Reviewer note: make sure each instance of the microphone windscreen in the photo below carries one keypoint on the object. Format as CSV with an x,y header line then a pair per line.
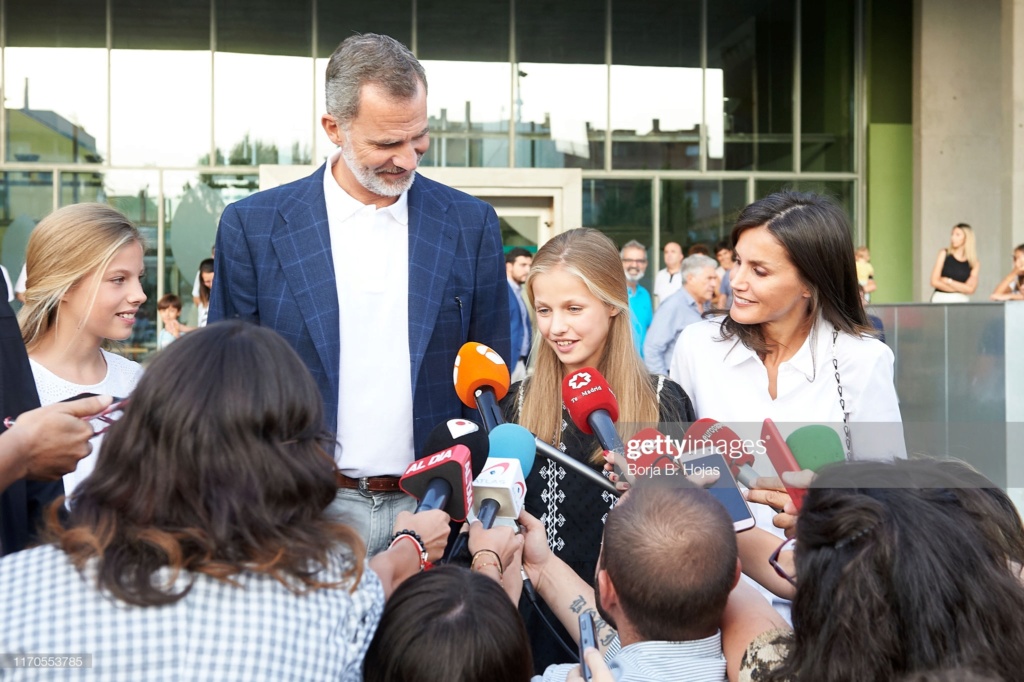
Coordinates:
x,y
460,432
585,391
478,366
736,450
511,441
816,445
650,452
452,465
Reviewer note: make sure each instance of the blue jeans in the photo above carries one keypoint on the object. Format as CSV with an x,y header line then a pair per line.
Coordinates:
x,y
372,515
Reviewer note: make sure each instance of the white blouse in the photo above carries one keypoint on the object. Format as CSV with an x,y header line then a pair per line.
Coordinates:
x,y
728,382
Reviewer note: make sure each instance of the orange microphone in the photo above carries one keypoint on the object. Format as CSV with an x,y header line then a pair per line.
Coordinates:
x,y
481,380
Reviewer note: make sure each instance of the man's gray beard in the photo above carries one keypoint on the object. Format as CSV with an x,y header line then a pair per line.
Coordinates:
x,y
374,182
634,279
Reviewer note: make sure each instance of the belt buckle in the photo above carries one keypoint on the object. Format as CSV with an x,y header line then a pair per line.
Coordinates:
x,y
364,484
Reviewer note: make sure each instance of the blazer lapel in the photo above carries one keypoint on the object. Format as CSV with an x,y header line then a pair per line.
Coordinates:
x,y
303,246
432,244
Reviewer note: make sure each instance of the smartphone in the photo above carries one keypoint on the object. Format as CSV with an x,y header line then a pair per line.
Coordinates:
x,y
725,489
782,459
587,639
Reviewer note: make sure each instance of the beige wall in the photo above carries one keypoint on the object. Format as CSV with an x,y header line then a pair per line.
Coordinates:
x,y
1013,125
959,134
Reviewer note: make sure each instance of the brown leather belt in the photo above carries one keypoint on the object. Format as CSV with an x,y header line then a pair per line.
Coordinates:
x,y
370,484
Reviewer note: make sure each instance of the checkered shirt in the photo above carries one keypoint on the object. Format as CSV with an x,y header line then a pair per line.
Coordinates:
x,y
256,631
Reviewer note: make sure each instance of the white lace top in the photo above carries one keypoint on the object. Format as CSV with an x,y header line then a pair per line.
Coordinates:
x,y
122,375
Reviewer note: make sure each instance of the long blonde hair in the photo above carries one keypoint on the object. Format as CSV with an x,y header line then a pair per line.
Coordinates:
x,y
590,255
970,246
65,247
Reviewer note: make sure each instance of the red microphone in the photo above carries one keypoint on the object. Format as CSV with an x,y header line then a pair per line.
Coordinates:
x,y
443,480
592,407
651,453
594,410
481,380
736,450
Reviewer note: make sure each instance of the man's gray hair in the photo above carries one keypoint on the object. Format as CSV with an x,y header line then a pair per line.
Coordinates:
x,y
632,244
695,263
370,58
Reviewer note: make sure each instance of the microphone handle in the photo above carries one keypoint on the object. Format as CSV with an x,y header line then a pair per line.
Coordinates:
x,y
604,428
551,452
438,492
746,475
488,512
487,406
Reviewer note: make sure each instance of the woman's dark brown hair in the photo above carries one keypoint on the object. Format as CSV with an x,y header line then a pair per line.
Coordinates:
x,y
816,235
449,624
218,466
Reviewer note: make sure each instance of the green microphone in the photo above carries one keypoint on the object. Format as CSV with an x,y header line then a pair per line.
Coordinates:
x,y
815,446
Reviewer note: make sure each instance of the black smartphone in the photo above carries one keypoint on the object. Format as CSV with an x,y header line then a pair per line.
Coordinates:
x,y
587,639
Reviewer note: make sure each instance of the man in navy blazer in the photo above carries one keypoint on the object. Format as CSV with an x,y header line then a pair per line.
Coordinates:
x,y
517,267
375,275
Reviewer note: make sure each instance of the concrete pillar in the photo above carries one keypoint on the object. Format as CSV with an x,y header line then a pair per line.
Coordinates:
x,y
1013,130
959,138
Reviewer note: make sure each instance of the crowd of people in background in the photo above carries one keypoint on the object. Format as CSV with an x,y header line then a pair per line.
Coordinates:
x,y
236,510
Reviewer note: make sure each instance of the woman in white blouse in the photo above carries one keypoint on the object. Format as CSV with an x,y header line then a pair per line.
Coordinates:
x,y
796,345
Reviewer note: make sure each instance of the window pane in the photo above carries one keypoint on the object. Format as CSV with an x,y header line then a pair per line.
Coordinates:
x,y
751,43
76,188
463,30
178,25
338,20
618,207
560,31
560,115
826,86
700,211
160,107
656,85
468,125
56,114
25,198
57,23
656,115
265,27
278,132
193,209
840,190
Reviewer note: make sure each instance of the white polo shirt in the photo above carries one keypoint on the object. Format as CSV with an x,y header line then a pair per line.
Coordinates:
x,y
370,248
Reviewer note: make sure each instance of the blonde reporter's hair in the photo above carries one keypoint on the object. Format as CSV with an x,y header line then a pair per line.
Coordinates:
x,y
970,244
65,247
590,255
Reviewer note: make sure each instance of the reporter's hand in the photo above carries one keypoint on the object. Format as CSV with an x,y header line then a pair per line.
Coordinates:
x,y
536,552
772,492
621,482
501,540
431,526
599,671
54,438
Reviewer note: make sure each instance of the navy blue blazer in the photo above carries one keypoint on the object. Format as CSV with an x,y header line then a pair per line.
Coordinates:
x,y
274,267
516,328
23,503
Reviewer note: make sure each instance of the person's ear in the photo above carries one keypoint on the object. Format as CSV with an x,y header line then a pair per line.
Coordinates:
x,y
609,595
335,132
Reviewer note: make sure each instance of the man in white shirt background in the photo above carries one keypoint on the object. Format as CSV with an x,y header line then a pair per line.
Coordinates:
x,y
668,281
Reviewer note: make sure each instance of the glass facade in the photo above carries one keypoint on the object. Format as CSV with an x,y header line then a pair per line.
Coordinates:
x,y
678,112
